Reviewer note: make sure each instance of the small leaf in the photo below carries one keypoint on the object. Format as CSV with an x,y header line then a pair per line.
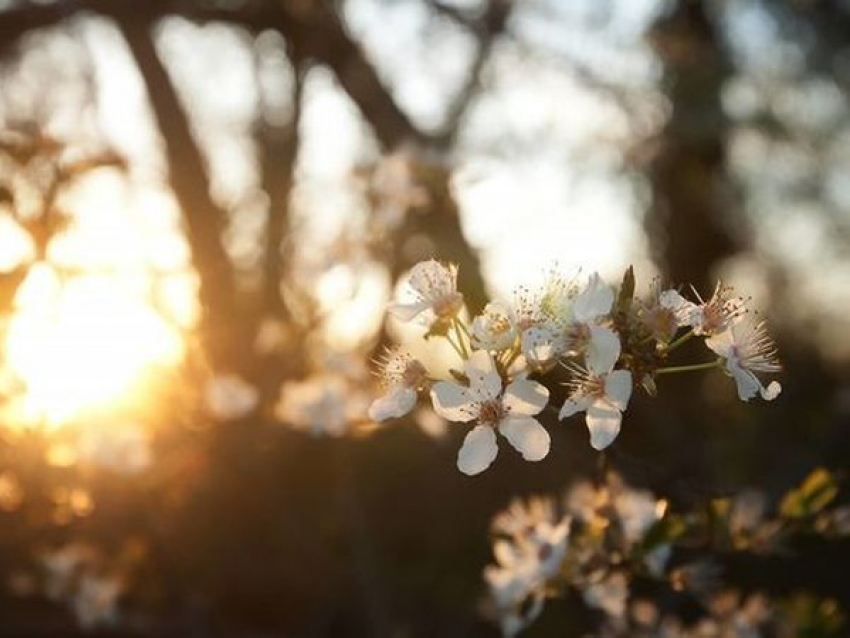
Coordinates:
x,y
439,328
648,383
459,376
627,290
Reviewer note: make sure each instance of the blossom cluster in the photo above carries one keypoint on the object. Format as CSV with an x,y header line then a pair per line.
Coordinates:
x,y
612,544
607,339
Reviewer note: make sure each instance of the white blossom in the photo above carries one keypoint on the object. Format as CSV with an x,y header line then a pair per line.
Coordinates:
x,y
229,397
483,401
600,391
537,312
707,317
747,349
435,288
495,328
402,376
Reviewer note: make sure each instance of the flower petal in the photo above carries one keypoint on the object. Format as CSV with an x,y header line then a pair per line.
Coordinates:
x,y
453,401
527,436
722,342
396,403
539,344
594,301
433,280
603,350
771,391
618,388
748,383
603,421
683,310
574,404
525,397
478,451
484,380
407,311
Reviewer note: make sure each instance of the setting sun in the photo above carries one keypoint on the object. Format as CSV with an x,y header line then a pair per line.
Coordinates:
x,y
82,344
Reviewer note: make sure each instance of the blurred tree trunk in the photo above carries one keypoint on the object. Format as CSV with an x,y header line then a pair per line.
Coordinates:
x,y
690,224
204,219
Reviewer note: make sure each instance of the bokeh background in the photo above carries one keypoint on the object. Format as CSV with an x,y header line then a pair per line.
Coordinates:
x,y
192,189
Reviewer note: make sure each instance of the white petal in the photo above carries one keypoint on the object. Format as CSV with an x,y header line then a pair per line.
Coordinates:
x,y
484,380
432,280
685,311
527,436
574,404
525,397
478,451
603,350
596,300
722,342
453,402
396,403
618,388
407,311
539,344
748,384
771,391
603,421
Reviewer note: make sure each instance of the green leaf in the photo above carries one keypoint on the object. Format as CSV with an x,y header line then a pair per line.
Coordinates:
x,y
815,493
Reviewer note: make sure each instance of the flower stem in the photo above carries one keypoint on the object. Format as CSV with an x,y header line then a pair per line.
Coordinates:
x,y
708,365
678,342
458,327
455,347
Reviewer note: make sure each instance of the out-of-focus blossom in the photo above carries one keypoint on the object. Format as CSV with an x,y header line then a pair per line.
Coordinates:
x,y
61,568
510,412
320,405
600,391
531,546
430,422
402,377
122,447
435,288
395,190
271,336
610,594
495,328
637,511
230,397
747,349
95,601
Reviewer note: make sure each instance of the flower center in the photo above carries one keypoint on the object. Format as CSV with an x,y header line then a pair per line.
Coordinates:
x,y
499,325
448,305
491,412
414,374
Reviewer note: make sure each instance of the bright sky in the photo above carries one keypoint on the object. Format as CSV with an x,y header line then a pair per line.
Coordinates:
x,y
535,175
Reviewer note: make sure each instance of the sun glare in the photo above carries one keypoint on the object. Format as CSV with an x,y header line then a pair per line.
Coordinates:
x,y
82,344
